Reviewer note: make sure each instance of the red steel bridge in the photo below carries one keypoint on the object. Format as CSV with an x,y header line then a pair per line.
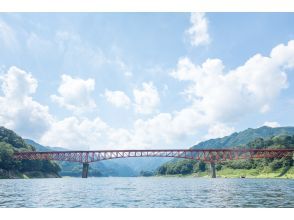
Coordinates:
x,y
211,156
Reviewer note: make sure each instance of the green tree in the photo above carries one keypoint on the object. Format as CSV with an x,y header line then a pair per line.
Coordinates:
x,y
6,154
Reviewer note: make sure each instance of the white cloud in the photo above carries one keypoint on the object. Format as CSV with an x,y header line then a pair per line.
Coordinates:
x,y
117,98
227,96
218,98
7,35
219,130
75,94
71,45
17,84
198,32
272,124
29,118
146,99
122,66
39,45
169,129
128,74
76,133
154,131
18,109
83,133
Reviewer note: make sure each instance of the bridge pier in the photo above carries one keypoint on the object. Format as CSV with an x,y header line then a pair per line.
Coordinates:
x,y
85,170
212,169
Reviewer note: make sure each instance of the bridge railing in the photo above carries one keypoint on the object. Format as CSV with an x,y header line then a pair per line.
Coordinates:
x,y
206,155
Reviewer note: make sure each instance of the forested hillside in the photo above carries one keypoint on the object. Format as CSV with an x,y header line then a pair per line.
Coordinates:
x,y
259,166
10,168
244,137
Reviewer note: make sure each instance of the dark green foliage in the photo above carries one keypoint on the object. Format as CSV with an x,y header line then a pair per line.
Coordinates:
x,y
146,173
202,166
244,137
199,166
162,169
10,137
10,142
218,166
189,166
179,167
276,164
240,164
6,153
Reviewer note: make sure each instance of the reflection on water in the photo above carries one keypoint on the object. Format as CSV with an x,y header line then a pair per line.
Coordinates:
x,y
146,192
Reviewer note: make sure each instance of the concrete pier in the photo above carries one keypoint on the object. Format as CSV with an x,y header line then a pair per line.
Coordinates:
x,y
85,170
212,170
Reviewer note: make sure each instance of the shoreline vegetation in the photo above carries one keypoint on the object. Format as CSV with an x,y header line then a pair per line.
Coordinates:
x,y
10,168
240,173
274,138
246,168
26,175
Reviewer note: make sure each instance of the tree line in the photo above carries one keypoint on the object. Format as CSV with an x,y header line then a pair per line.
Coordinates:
x,y
185,166
10,142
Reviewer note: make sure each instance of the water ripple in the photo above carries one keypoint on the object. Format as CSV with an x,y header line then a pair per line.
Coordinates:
x,y
147,192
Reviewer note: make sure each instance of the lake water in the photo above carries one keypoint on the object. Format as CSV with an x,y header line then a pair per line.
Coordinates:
x,y
146,192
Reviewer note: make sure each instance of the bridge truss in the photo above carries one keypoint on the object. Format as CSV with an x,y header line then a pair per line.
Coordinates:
x,y
206,155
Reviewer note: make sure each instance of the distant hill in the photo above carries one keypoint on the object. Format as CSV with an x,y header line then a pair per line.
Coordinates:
x,y
40,147
116,167
263,137
244,137
143,163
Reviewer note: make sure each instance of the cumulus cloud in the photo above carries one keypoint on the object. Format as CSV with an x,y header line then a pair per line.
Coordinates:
x,y
198,32
83,133
75,94
146,99
272,124
226,96
219,130
76,133
117,98
19,111
217,99
17,84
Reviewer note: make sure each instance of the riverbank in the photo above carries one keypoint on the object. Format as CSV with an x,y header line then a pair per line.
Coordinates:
x,y
242,173
254,173
26,175
224,173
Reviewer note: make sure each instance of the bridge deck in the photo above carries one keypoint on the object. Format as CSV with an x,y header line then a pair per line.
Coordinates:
x,y
206,155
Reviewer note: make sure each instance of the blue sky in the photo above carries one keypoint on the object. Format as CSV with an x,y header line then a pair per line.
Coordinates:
x,y
144,80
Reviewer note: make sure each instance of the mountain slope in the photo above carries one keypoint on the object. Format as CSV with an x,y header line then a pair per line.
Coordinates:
x,y
10,142
101,168
244,137
40,147
263,137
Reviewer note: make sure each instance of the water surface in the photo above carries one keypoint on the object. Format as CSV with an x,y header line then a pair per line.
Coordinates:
x,y
146,192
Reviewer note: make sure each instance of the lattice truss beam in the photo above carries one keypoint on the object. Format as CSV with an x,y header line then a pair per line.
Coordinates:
x,y
207,155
